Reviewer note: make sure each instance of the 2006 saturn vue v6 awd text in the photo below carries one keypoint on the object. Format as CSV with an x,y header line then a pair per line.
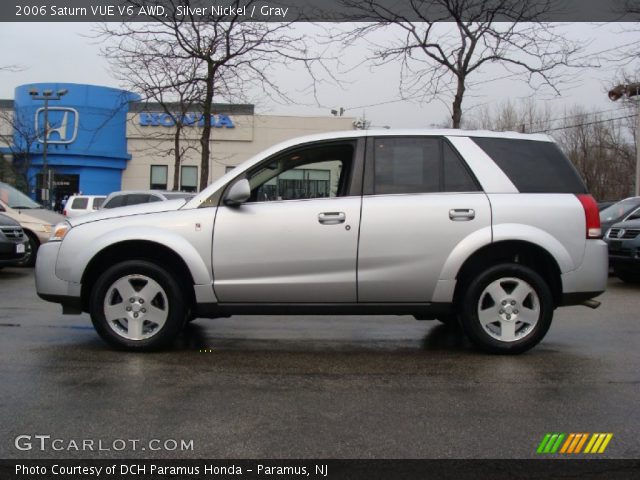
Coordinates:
x,y
492,230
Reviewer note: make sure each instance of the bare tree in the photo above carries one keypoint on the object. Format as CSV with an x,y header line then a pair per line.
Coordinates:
x,y
20,142
441,43
216,55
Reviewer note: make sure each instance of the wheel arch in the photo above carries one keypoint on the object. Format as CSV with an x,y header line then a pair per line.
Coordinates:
x,y
512,251
136,250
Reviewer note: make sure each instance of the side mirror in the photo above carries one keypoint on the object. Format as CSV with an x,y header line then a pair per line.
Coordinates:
x,y
238,193
2,209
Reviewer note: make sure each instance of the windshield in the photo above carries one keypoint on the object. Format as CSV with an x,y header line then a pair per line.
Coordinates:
x,y
15,198
618,210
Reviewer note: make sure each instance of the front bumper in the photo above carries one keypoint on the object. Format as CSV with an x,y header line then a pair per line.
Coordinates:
x,y
51,288
9,254
590,278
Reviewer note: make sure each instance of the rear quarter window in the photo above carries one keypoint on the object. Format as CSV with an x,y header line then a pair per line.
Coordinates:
x,y
533,166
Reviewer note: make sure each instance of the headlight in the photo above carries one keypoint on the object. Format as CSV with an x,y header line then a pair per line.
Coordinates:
x,y
59,231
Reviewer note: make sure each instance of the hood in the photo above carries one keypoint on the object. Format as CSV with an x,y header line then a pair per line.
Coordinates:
x,y
36,215
628,224
140,209
7,221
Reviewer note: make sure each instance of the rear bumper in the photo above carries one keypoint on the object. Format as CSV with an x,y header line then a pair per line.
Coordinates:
x,y
51,288
590,278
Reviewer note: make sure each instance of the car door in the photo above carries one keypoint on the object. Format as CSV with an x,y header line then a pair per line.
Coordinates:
x,y
296,239
420,201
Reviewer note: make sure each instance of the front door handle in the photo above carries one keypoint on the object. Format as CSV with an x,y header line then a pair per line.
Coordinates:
x,y
331,218
462,214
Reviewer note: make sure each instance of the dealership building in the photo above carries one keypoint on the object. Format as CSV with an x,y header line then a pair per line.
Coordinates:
x,y
102,139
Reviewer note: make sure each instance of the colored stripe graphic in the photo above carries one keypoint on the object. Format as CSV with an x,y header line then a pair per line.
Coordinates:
x,y
573,443
598,443
551,443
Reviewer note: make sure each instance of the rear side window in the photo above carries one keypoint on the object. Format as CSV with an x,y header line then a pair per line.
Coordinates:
x,y
80,203
97,203
114,202
533,166
136,198
419,165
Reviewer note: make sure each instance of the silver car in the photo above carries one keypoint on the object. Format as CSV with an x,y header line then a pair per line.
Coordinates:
x,y
491,230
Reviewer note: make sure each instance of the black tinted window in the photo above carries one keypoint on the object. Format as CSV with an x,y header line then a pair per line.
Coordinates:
x,y
406,165
80,203
532,166
114,202
136,198
97,202
456,175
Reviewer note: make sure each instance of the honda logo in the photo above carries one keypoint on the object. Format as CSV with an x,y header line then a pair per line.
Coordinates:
x,y
63,124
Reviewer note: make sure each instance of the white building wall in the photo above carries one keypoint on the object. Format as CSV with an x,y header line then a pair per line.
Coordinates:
x,y
153,145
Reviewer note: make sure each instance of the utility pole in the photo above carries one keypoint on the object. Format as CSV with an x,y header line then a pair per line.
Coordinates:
x,y
46,96
631,90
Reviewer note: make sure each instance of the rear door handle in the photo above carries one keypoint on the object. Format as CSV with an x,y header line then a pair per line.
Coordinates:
x,y
331,218
461,214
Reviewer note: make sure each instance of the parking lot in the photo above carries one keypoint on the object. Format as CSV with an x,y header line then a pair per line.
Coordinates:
x,y
317,387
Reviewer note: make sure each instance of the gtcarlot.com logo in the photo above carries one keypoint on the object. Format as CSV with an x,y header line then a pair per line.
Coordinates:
x,y
574,443
44,443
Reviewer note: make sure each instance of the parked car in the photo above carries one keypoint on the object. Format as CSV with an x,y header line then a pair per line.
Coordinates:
x,y
35,220
135,197
493,230
81,204
13,242
619,212
624,249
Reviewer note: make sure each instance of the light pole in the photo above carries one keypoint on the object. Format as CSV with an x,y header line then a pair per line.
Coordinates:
x,y
46,96
631,90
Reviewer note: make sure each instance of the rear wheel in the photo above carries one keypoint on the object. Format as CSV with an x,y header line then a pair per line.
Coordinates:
x,y
507,309
137,305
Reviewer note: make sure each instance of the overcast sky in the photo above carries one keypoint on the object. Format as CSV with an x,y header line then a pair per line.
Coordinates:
x,y
58,52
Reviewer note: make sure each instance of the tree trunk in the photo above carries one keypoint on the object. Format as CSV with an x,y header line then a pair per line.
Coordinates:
x,y
456,115
206,129
177,156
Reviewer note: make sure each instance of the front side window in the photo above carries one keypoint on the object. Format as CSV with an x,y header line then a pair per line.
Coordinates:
x,y
159,174
189,178
313,172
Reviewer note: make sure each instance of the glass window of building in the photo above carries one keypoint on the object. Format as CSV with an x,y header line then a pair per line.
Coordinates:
x,y
189,178
159,174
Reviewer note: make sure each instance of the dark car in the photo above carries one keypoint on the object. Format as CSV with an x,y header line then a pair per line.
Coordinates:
x,y
624,249
13,242
618,212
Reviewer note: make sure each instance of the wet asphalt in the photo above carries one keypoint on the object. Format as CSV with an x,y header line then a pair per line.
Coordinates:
x,y
315,387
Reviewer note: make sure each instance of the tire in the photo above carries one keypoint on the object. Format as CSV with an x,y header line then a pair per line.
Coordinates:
x,y
29,259
519,302
143,289
626,276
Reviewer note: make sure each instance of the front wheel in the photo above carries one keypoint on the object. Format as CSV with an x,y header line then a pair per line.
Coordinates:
x,y
137,305
507,309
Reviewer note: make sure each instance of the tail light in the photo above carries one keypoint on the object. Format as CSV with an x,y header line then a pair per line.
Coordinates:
x,y
64,212
591,215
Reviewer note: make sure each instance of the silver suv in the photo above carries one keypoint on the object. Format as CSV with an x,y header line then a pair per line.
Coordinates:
x,y
491,230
